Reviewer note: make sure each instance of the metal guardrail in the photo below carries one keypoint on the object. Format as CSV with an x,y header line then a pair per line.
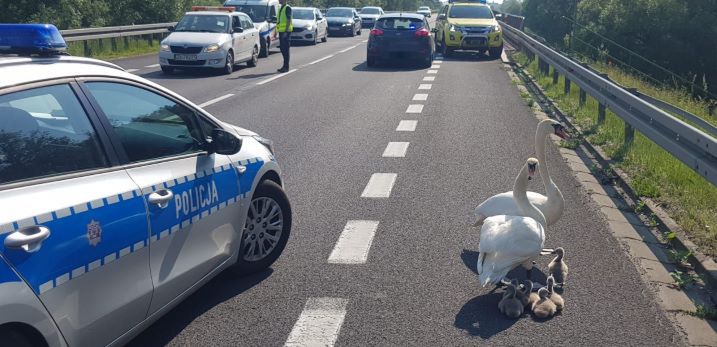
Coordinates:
x,y
692,146
114,32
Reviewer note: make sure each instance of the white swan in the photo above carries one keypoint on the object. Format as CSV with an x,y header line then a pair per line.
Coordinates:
x,y
508,241
551,206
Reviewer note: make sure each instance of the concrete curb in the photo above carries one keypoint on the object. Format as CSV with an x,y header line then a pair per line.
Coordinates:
x,y
646,250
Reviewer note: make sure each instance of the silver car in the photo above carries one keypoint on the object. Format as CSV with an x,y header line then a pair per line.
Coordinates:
x,y
309,25
369,15
119,199
425,11
210,39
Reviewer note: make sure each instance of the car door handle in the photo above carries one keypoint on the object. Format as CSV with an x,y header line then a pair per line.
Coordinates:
x,y
161,198
29,238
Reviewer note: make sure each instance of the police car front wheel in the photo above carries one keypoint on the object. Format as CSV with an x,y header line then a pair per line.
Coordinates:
x,y
266,230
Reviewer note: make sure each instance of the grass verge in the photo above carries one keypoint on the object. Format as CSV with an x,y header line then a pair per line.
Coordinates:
x,y
654,173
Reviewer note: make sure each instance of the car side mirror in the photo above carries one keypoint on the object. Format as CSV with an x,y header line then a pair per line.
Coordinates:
x,y
171,28
224,142
273,19
441,17
238,29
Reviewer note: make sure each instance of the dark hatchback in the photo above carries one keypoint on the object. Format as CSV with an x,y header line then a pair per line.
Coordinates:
x,y
401,36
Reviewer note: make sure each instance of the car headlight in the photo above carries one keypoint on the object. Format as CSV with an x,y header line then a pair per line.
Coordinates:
x,y
211,48
309,27
164,47
347,24
494,29
454,28
269,144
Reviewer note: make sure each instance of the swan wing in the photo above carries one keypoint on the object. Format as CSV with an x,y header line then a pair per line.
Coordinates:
x,y
504,204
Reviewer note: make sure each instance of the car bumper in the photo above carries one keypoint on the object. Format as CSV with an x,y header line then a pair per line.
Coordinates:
x,y
303,36
209,60
392,52
367,23
474,41
340,30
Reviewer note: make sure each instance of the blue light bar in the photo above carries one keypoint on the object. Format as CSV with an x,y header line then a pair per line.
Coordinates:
x,y
28,39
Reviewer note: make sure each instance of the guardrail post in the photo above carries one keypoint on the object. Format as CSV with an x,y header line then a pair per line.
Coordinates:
x,y
567,85
126,42
113,41
629,130
583,98
601,113
555,76
86,47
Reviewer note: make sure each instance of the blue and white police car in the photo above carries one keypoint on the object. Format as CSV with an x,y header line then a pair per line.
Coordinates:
x,y
118,197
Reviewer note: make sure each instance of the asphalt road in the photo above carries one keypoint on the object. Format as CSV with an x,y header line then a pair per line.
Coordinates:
x,y
331,122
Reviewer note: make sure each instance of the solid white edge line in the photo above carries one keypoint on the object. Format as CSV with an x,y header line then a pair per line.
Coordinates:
x,y
379,185
215,100
407,125
321,59
152,66
275,77
354,243
420,97
319,323
131,70
395,150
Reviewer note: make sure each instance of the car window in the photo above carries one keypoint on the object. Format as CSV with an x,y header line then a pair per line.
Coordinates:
x,y
203,23
236,22
478,12
257,13
273,11
43,132
148,125
399,23
339,12
246,23
302,14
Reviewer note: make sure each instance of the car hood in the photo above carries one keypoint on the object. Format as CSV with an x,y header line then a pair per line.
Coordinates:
x,y
302,23
472,21
339,19
194,39
370,16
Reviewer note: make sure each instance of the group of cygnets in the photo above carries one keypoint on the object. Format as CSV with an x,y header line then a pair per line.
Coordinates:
x,y
546,302
512,234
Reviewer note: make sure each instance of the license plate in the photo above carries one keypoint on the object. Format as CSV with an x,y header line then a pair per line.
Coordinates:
x,y
185,57
476,42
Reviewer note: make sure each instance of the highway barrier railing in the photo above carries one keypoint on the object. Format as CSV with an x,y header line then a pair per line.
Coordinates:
x,y
693,146
115,32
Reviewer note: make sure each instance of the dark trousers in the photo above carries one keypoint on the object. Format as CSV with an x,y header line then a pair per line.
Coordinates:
x,y
284,44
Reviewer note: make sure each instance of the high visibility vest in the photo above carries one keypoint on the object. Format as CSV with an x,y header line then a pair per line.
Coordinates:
x,y
283,21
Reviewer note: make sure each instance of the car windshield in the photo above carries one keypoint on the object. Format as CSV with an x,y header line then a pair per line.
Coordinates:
x,y
480,12
339,12
257,13
203,23
302,14
399,24
370,10
424,8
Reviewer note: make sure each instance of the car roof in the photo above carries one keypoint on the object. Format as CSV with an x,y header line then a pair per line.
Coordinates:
x,y
402,15
469,4
376,7
342,8
213,13
22,70
303,8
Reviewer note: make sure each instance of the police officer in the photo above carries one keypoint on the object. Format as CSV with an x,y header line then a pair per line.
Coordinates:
x,y
284,27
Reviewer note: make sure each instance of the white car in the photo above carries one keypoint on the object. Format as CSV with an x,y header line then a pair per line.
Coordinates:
x,y
425,11
119,197
309,25
369,15
216,38
264,15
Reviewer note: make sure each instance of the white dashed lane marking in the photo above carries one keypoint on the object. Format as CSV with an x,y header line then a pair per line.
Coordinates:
x,y
320,60
435,66
420,97
215,100
319,323
395,150
429,79
437,62
432,71
407,125
424,86
414,108
152,66
131,70
275,77
379,185
354,243
348,49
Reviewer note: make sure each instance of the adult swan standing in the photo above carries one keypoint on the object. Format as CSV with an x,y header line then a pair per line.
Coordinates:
x,y
551,206
509,241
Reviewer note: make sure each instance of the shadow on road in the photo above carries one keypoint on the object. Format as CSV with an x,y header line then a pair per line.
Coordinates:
x,y
389,67
480,316
470,259
218,290
191,73
254,75
469,56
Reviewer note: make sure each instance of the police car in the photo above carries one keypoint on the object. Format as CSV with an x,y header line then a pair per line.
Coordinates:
x,y
118,197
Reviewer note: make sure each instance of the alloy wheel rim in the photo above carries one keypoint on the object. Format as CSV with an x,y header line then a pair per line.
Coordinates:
x,y
262,229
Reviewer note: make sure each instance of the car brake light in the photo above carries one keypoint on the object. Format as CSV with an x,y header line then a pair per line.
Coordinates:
x,y
423,32
376,32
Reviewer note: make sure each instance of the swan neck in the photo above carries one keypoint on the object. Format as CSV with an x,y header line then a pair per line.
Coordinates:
x,y
521,197
540,138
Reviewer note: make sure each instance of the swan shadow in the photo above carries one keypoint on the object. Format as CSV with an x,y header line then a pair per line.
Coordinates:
x,y
220,289
480,317
470,259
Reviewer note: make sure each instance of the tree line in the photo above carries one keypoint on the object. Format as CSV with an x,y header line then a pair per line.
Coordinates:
x,y
679,35
72,14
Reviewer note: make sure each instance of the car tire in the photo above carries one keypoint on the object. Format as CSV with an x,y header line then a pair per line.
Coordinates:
x,y
267,196
359,32
353,33
427,61
254,58
370,61
495,52
12,337
326,36
316,37
229,63
444,48
167,69
264,47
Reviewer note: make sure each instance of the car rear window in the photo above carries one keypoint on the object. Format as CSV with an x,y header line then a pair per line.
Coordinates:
x,y
399,23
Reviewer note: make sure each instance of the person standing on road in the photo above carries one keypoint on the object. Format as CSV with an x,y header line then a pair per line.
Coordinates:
x,y
284,27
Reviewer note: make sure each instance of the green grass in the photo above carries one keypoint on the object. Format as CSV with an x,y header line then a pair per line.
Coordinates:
x,y
104,49
654,173
705,312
